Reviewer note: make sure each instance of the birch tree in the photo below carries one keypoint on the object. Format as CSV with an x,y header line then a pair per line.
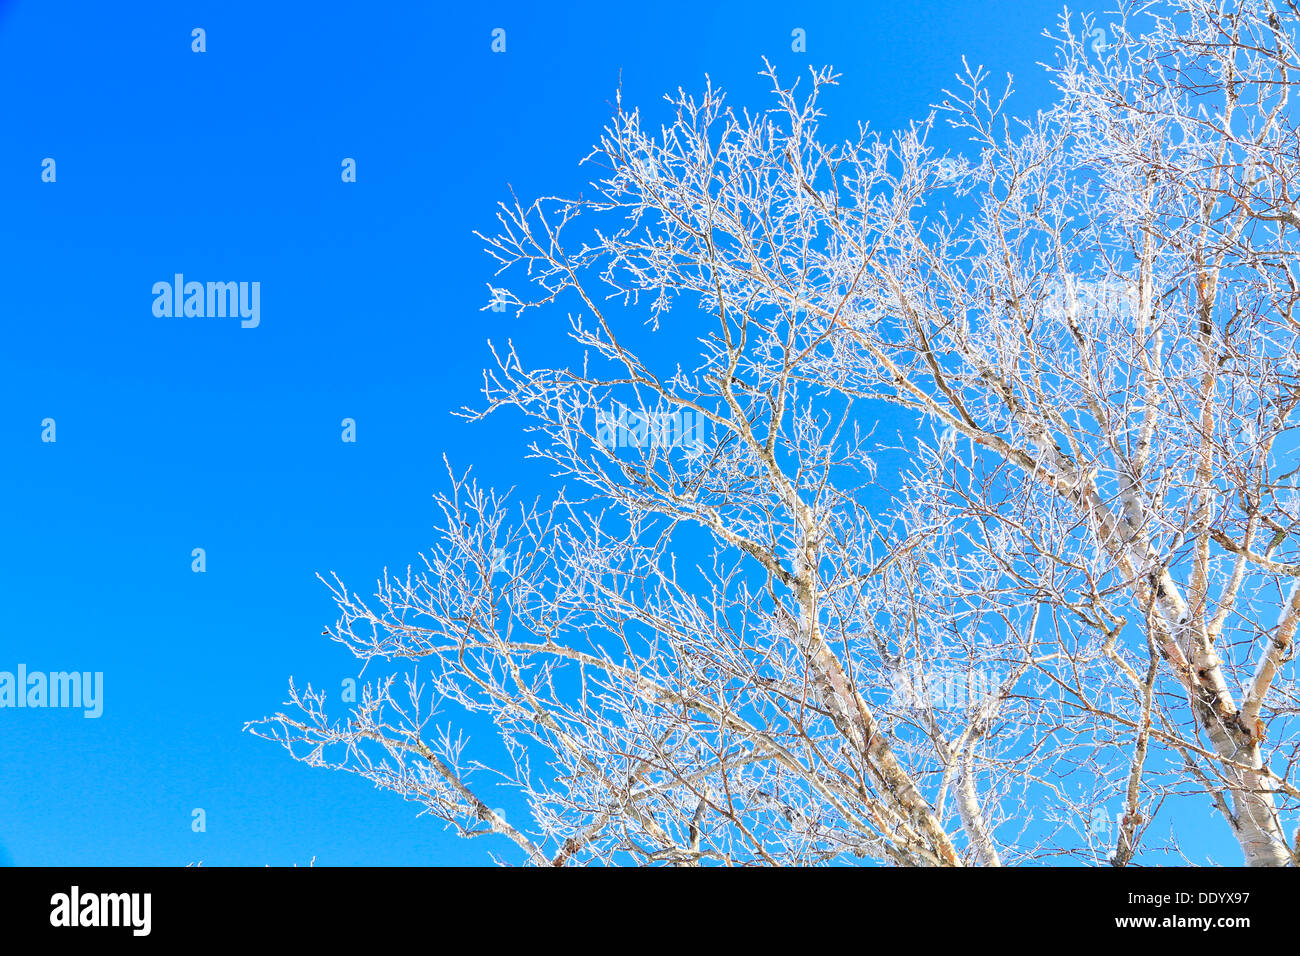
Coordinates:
x,y
919,506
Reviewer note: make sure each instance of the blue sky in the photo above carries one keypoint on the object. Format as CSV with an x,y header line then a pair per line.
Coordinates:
x,y
174,434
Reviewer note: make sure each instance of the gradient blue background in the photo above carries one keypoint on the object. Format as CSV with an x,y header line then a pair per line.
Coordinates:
x,y
183,433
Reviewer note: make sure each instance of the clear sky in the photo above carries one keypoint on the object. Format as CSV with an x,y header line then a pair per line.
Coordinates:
x,y
176,434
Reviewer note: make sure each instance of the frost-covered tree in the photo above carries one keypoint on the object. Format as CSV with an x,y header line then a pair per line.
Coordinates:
x,y
917,509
